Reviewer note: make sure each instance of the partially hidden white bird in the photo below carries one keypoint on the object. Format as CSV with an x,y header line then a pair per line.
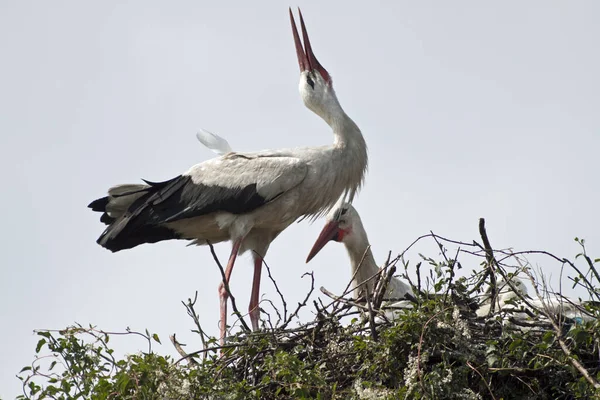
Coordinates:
x,y
344,225
248,198
509,302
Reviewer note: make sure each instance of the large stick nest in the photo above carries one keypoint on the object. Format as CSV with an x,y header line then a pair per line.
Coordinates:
x,y
436,346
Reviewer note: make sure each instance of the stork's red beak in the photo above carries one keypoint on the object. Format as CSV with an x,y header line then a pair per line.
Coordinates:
x,y
331,231
306,59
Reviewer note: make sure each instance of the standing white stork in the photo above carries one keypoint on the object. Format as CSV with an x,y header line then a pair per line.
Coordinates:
x,y
344,225
248,198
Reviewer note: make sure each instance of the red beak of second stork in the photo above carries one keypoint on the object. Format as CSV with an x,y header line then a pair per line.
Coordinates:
x,y
306,58
331,231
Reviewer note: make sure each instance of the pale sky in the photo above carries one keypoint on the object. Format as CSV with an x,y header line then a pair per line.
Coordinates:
x,y
469,110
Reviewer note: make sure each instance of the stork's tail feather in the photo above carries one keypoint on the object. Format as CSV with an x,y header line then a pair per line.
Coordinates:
x,y
99,204
119,199
118,208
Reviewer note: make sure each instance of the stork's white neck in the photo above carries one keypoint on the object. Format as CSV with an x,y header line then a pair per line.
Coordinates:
x,y
344,129
366,269
339,168
357,245
348,138
361,257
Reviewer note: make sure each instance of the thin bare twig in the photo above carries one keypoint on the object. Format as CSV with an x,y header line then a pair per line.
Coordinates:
x,y
226,285
371,316
180,350
491,263
559,337
362,259
189,306
381,289
483,379
303,304
343,300
278,292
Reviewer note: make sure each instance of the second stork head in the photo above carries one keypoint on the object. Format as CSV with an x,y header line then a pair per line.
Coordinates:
x,y
315,85
343,225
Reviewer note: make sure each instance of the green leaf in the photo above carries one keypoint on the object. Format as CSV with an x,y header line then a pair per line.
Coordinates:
x,y
45,334
25,369
40,344
155,337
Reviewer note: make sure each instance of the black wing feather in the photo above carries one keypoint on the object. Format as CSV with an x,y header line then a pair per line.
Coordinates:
x,y
169,201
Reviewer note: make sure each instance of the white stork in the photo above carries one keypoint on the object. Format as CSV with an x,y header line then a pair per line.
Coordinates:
x,y
344,225
248,198
508,302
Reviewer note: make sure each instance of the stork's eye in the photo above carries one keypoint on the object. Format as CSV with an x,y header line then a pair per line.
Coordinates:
x,y
310,81
344,211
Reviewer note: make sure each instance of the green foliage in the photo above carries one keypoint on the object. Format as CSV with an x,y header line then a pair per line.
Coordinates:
x,y
438,349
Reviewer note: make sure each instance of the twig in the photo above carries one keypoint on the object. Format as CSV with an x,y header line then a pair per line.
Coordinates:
x,y
215,348
371,317
491,263
558,334
483,379
303,304
381,289
226,285
418,268
343,300
420,345
356,272
450,264
269,315
180,350
277,290
189,306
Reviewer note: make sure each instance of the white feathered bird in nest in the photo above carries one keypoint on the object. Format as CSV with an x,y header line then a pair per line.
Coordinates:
x,y
509,303
345,225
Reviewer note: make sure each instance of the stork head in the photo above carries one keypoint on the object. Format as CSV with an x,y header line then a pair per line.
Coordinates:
x,y
343,225
315,82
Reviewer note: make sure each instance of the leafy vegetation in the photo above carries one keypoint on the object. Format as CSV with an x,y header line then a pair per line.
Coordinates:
x,y
437,348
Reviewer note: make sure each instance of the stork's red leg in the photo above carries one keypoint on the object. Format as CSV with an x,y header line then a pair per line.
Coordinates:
x,y
253,308
223,296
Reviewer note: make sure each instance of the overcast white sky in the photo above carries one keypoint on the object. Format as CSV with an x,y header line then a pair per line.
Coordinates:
x,y
469,110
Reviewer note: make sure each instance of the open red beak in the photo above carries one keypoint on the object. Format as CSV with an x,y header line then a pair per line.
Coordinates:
x,y
331,231
306,59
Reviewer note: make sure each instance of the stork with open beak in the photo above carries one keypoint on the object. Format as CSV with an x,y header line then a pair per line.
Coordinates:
x,y
248,198
344,225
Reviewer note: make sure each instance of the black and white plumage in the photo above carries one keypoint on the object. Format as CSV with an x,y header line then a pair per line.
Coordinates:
x,y
345,225
248,198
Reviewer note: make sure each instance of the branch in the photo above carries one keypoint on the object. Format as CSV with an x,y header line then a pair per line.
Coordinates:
x,y
180,350
192,313
491,263
278,292
557,331
371,317
303,304
226,285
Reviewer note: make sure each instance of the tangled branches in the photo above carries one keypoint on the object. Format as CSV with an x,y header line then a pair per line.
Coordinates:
x,y
452,339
